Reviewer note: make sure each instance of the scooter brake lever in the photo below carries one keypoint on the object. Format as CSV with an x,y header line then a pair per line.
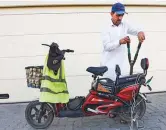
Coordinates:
x,y
149,87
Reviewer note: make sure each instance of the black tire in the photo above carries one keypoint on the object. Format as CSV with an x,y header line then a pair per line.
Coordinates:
x,y
139,110
31,118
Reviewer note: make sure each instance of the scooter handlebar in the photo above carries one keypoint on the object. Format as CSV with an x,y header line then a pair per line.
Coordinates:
x,y
68,50
46,45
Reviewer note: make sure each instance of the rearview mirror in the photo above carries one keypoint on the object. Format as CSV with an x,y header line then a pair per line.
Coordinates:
x,y
117,70
145,63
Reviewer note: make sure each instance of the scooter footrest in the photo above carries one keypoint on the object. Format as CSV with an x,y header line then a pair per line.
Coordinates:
x,y
70,113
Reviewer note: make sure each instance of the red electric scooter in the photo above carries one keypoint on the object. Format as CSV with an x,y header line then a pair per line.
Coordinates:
x,y
105,96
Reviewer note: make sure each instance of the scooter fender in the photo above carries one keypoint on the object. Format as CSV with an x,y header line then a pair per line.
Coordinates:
x,y
143,95
51,108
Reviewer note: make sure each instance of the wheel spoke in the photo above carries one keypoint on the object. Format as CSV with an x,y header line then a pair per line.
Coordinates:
x,y
39,120
45,117
49,112
33,115
138,103
35,109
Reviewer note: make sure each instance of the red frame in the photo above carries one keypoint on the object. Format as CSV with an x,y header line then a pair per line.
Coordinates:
x,y
126,95
92,98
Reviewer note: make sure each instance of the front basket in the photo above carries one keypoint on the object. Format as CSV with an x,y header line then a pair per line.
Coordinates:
x,y
34,76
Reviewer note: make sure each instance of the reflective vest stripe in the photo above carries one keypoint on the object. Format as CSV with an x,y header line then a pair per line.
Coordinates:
x,y
53,80
50,91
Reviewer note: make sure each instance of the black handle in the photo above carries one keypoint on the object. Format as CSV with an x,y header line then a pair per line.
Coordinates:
x,y
136,54
4,96
132,62
129,54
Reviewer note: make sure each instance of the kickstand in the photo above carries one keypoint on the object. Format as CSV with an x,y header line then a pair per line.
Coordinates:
x,y
148,101
135,125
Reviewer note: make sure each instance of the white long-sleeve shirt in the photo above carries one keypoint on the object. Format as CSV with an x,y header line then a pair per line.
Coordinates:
x,y
114,53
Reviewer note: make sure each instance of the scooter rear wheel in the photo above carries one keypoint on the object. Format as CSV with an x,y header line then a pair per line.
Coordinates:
x,y
139,111
37,117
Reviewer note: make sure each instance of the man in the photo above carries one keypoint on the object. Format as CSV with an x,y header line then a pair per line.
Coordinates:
x,y
114,39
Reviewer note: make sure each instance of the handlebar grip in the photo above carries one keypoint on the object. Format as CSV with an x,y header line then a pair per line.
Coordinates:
x,y
71,50
68,50
149,88
46,45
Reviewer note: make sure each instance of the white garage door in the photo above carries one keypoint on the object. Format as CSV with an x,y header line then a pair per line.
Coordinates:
x,y
24,30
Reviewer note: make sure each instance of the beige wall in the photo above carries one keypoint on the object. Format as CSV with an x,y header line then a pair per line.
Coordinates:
x,y
23,30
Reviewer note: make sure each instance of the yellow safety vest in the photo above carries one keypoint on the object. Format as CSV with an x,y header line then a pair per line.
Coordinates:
x,y
54,87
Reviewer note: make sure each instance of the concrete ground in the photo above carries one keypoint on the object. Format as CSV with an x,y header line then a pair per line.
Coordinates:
x,y
12,118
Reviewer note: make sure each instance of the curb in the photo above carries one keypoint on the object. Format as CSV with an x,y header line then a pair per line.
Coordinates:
x,y
157,92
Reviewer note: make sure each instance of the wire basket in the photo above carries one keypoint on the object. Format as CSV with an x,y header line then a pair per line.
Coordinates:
x,y
34,76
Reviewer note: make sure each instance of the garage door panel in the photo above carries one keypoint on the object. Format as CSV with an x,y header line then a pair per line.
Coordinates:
x,y
85,60
31,45
154,41
143,9
18,91
148,21
81,43
156,60
69,23
79,85
13,68
24,30
54,23
75,64
157,81
80,9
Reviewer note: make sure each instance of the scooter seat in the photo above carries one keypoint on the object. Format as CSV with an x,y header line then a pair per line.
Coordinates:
x,y
97,70
123,82
128,79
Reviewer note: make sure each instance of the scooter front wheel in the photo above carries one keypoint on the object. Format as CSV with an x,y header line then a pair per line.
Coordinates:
x,y
135,112
39,115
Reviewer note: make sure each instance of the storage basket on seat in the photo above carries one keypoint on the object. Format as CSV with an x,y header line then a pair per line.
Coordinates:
x,y
106,85
34,76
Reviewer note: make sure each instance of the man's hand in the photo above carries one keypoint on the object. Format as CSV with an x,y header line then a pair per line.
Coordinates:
x,y
141,36
124,40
